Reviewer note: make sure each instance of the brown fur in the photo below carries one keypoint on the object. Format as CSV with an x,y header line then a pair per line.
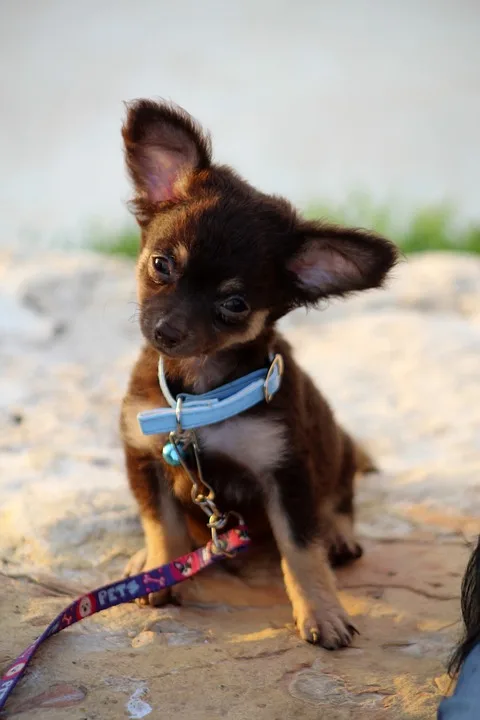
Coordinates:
x,y
219,264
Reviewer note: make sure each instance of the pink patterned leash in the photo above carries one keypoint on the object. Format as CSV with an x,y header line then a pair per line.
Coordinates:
x,y
125,591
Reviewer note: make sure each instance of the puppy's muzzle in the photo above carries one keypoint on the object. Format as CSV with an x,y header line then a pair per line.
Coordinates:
x,y
169,335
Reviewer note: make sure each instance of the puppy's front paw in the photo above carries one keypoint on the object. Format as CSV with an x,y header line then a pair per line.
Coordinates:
x,y
154,599
331,628
343,547
136,563
139,563
343,554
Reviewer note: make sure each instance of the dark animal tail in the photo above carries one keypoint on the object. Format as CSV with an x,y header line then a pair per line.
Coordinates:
x,y
470,611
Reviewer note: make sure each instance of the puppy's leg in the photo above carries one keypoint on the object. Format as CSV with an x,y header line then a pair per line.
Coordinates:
x,y
309,581
163,522
343,547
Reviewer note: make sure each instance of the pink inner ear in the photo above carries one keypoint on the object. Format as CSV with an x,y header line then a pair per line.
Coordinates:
x,y
324,269
161,169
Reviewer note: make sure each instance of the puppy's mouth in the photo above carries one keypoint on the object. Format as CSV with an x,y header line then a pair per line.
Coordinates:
x,y
177,353
183,351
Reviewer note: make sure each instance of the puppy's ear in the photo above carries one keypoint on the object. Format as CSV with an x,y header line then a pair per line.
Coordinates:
x,y
331,260
162,143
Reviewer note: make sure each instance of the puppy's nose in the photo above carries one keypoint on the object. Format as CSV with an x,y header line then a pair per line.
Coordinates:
x,y
168,334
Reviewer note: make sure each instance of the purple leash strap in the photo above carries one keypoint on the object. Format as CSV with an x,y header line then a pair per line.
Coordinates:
x,y
125,591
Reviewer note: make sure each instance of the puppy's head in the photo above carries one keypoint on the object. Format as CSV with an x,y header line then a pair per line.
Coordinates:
x,y
219,261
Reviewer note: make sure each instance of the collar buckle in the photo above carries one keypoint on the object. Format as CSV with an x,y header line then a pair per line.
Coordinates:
x,y
276,364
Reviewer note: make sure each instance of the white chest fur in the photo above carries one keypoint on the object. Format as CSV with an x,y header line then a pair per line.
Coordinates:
x,y
259,444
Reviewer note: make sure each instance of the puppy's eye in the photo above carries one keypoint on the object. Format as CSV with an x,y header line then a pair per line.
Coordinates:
x,y
162,266
233,308
235,305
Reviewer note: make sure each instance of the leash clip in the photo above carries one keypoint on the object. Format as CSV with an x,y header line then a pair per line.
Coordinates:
x,y
216,519
217,522
277,363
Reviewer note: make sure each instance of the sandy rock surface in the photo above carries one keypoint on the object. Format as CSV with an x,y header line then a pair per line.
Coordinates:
x,y
402,369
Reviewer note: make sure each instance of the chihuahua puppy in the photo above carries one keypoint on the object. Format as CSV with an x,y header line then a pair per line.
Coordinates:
x,y
219,263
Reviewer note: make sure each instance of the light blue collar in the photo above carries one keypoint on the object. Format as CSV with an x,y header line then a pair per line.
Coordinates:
x,y
187,412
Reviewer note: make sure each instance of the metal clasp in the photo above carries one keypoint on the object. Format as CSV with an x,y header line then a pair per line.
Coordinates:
x,y
216,519
278,363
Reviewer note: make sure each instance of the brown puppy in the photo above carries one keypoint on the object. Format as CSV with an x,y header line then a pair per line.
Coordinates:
x,y
219,264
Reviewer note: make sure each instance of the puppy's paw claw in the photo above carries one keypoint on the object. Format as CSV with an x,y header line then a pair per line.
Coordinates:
x,y
332,629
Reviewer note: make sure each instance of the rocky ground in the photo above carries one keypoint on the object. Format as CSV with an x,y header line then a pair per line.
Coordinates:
x,y
402,369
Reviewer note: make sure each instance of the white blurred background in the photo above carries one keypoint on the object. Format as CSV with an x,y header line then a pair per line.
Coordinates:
x,y
312,99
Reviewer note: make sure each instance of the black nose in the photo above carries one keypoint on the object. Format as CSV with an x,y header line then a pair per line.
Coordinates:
x,y
169,335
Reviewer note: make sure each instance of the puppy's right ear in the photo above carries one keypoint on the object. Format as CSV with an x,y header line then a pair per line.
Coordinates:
x,y
162,143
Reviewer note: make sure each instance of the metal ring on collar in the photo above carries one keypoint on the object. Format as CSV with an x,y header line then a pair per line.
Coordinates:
x,y
178,414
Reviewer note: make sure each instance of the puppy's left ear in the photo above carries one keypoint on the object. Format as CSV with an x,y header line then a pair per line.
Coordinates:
x,y
331,260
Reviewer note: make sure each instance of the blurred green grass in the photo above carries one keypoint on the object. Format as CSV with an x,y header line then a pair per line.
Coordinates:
x,y
124,242
434,227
